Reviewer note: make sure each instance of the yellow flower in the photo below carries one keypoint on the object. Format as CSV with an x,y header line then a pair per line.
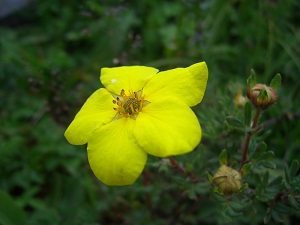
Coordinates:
x,y
141,111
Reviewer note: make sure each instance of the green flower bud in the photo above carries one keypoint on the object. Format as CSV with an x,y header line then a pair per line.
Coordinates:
x,y
262,96
228,180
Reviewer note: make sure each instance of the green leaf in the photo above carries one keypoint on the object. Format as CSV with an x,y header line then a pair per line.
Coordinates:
x,y
209,176
294,203
10,213
235,122
268,164
232,212
287,175
202,188
277,217
276,182
294,168
287,186
258,191
257,178
265,179
246,169
223,157
267,216
276,82
244,187
216,190
282,208
260,149
267,155
255,130
247,114
251,81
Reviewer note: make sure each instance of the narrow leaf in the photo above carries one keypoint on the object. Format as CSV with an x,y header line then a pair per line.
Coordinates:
x,y
234,122
265,179
223,157
246,169
216,190
287,175
287,186
257,178
232,213
294,168
267,216
267,155
277,182
244,187
268,164
262,147
276,82
294,203
251,81
209,177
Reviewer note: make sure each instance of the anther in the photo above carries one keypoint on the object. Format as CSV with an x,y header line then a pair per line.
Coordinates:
x,y
130,105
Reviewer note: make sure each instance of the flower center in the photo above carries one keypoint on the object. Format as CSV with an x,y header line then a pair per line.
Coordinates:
x,y
129,106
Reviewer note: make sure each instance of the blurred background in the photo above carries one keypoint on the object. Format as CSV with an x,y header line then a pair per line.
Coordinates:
x,y
51,53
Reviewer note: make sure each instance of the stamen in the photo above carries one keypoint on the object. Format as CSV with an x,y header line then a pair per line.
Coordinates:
x,y
129,106
122,92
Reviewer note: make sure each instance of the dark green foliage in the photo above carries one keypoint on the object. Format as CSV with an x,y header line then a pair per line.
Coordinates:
x,y
50,56
10,213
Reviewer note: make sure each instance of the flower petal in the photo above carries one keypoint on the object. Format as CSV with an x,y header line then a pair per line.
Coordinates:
x,y
167,127
187,84
129,78
96,111
114,155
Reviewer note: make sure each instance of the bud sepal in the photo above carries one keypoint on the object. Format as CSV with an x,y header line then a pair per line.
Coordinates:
x,y
261,95
228,180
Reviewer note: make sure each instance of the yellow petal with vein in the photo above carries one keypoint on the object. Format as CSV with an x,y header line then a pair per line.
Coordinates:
x,y
187,84
114,155
129,78
96,112
167,127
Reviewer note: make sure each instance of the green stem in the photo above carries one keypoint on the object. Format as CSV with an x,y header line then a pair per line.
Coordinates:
x,y
248,137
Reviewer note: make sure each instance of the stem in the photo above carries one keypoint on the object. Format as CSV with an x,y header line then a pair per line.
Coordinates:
x,y
248,137
182,170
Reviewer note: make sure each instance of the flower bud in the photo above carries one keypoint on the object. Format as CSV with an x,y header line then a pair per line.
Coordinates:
x,y
262,96
239,99
228,180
